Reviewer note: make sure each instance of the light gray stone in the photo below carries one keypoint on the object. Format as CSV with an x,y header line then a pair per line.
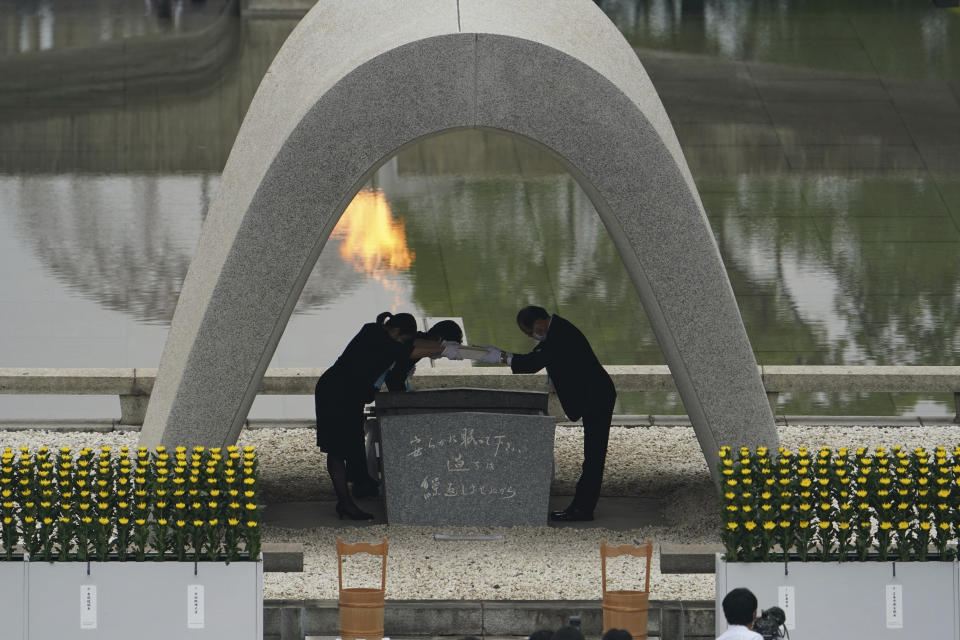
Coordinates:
x,y
67,381
462,399
688,558
133,408
357,81
275,8
436,618
467,469
514,617
282,557
893,379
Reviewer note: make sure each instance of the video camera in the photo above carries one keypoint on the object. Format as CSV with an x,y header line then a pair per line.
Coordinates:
x,y
770,623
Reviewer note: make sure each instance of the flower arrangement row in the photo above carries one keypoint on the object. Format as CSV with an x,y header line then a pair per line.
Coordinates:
x,y
199,504
839,504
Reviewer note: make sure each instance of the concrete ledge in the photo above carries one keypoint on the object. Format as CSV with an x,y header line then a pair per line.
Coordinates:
x,y
301,381
778,378
628,421
107,382
439,617
93,426
516,617
282,557
134,386
275,8
689,558
669,620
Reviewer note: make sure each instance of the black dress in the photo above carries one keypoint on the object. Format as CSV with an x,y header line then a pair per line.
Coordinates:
x,y
345,387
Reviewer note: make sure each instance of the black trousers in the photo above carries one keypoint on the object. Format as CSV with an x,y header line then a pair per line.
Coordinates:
x,y
596,435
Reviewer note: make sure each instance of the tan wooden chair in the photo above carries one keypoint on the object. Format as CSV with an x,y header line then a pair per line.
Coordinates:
x,y
361,609
626,609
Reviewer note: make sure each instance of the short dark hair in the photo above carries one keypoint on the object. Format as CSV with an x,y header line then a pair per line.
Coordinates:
x,y
739,606
446,330
567,633
528,315
541,634
617,634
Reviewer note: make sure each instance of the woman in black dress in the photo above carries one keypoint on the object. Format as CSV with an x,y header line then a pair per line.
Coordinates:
x,y
347,386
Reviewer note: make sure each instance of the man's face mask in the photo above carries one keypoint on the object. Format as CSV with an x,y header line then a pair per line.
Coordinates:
x,y
539,337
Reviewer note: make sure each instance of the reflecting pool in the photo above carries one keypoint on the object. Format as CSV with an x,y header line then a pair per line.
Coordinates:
x,y
824,138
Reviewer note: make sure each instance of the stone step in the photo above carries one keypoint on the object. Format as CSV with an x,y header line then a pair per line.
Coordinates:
x,y
282,557
669,620
689,558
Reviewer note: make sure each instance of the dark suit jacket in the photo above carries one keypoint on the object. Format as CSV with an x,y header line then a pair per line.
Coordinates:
x,y
580,380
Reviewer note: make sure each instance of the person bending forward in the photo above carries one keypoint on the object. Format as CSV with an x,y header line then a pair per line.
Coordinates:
x,y
583,387
344,389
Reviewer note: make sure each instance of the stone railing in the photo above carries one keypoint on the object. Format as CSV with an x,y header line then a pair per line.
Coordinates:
x,y
133,386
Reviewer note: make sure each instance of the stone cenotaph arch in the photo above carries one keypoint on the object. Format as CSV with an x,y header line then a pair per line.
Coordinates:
x,y
355,82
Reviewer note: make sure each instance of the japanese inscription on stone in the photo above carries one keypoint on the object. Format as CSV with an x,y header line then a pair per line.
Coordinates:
x,y
467,468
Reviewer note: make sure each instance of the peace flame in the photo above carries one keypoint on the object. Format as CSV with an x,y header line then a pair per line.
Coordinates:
x,y
373,241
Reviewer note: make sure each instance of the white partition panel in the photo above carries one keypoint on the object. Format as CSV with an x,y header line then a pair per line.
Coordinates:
x,y
851,600
146,600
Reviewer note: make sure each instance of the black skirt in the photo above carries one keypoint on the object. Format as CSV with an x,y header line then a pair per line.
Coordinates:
x,y
339,419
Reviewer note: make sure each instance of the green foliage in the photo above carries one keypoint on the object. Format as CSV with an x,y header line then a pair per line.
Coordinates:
x,y
839,505
200,504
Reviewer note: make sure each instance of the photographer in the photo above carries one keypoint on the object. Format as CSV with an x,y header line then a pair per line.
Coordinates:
x,y
740,609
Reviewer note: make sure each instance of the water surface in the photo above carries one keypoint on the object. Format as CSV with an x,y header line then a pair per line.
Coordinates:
x,y
824,139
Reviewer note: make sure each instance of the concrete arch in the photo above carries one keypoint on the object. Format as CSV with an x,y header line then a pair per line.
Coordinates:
x,y
357,81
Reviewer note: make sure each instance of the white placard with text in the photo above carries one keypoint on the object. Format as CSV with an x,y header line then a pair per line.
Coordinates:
x,y
894,606
787,600
195,606
88,606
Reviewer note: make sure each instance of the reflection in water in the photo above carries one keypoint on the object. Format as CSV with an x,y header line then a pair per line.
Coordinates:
x,y
885,36
374,243
62,24
127,241
371,240
828,266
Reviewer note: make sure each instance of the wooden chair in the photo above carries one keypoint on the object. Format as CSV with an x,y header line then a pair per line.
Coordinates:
x,y
626,609
361,609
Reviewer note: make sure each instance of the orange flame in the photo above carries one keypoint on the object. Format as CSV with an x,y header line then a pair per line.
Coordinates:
x,y
373,241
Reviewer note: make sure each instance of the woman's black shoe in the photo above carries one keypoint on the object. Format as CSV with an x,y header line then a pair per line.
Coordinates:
x,y
352,513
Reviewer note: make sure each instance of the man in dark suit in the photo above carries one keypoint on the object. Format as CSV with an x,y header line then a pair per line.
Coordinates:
x,y
583,387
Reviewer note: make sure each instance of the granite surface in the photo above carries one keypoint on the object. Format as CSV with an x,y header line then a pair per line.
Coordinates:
x,y
558,74
462,399
467,469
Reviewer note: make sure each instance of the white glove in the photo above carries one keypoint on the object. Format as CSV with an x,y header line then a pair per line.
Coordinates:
x,y
451,351
492,356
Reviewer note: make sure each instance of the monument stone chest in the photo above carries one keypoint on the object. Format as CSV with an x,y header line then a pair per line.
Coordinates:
x,y
466,457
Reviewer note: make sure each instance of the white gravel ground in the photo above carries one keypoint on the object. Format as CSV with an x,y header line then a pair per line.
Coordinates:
x,y
531,562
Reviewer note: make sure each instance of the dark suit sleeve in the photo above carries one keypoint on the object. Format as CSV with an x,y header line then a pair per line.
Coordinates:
x,y
397,377
530,362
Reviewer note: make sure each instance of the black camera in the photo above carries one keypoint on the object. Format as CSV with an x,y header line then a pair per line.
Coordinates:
x,y
770,623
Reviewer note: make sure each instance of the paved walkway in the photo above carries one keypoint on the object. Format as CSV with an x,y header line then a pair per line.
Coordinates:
x,y
615,513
